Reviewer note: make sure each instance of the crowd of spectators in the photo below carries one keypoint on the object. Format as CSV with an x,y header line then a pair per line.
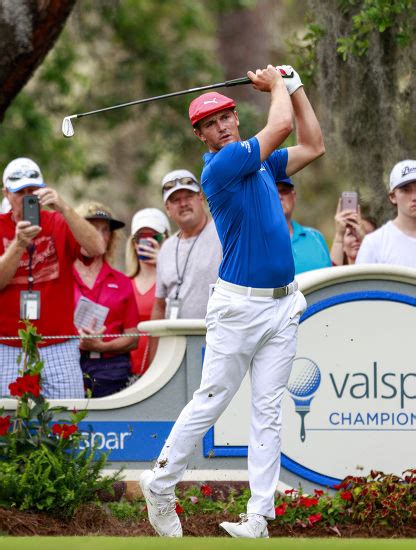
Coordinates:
x,y
58,272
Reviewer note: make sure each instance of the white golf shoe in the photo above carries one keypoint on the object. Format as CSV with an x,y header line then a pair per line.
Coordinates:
x,y
250,526
161,509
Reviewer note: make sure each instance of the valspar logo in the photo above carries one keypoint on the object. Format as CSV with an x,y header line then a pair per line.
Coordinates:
x,y
350,404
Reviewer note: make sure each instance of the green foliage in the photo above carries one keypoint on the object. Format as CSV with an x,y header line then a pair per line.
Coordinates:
x,y
381,499
56,481
127,511
377,499
304,48
43,466
376,15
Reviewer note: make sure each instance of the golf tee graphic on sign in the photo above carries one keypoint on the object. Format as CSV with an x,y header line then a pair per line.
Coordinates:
x,y
303,383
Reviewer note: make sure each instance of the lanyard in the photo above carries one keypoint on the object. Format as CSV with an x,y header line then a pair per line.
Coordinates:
x,y
181,277
30,278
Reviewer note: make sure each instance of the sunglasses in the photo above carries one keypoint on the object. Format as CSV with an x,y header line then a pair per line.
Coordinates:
x,y
158,237
32,174
178,181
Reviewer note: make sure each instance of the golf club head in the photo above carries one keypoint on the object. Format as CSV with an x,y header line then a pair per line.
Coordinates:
x,y
67,128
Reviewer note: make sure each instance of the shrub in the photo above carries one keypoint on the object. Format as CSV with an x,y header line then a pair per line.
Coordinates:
x,y
41,465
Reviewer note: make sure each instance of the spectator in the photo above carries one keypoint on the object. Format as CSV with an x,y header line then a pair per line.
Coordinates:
x,y
152,225
308,244
350,230
395,242
189,260
105,362
39,259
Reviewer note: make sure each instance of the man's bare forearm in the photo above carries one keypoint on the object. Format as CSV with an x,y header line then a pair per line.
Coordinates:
x,y
84,232
9,262
310,143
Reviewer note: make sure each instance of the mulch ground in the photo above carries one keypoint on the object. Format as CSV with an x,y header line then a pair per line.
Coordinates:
x,y
93,520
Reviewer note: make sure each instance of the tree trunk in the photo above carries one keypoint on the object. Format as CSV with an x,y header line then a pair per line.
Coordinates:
x,y
28,30
244,44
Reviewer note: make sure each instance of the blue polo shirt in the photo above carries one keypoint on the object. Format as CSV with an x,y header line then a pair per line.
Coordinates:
x,y
244,202
309,249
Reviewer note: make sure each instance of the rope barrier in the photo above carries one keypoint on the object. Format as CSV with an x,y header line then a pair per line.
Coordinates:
x,y
75,336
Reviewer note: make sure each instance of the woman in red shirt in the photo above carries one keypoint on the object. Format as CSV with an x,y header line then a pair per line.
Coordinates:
x,y
105,361
149,228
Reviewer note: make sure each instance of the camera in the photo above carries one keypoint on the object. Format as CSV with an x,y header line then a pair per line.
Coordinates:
x,y
31,209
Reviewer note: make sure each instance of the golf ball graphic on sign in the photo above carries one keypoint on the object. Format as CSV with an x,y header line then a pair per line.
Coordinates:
x,y
304,381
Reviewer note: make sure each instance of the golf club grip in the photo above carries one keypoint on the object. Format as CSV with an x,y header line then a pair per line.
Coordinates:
x,y
237,81
246,80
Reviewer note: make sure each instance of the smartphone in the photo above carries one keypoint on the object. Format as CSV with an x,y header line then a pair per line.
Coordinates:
x,y
145,242
349,200
31,209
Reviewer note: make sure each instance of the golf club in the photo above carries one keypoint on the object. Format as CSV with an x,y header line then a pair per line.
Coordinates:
x,y
68,128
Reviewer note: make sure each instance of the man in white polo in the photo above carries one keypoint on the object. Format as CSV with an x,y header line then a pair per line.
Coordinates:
x,y
395,242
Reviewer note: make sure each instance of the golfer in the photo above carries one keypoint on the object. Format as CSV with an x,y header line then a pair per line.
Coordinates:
x,y
253,314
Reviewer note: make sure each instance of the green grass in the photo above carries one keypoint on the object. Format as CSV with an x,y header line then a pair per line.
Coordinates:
x,y
153,543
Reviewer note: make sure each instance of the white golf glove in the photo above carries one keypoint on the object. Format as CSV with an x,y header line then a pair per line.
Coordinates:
x,y
293,83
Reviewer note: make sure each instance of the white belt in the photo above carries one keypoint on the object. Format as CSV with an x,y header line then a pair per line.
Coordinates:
x,y
279,292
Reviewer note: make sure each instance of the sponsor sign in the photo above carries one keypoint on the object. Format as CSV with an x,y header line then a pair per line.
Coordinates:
x,y
350,404
127,441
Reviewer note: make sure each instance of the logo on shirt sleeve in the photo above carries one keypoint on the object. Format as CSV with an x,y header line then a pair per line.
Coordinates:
x,y
246,145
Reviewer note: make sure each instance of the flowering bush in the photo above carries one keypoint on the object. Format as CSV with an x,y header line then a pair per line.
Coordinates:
x,y
41,464
377,499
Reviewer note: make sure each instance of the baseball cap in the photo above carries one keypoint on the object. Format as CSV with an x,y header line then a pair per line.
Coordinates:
x,y
150,217
208,104
20,173
287,181
403,173
179,179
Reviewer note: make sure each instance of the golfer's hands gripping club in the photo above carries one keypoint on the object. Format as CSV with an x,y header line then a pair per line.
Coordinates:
x,y
265,80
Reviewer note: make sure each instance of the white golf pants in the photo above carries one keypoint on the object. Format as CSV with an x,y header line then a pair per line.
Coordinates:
x,y
243,333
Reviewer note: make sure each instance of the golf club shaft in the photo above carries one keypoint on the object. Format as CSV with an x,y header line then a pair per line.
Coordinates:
x,y
226,84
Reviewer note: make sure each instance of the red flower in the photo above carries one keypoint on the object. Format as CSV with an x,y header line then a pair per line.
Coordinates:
x,y
313,518
4,424
341,485
318,492
346,495
206,490
307,502
179,509
281,509
28,383
64,430
290,491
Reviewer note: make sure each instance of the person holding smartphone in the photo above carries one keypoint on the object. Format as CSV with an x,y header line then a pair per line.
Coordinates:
x,y
149,229
350,229
36,279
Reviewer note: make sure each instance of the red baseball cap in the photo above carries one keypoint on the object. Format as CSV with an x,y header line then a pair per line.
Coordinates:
x,y
208,104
